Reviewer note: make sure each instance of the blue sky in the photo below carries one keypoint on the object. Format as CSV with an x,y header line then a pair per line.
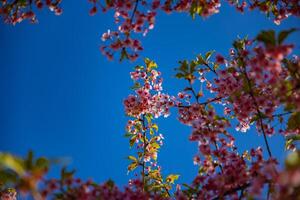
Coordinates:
x,y
61,98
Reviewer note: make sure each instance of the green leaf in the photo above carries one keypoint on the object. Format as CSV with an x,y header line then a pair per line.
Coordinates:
x,y
208,55
136,86
239,44
151,131
139,67
7,177
148,118
289,107
179,75
254,118
288,143
22,2
294,137
201,170
187,186
293,160
65,174
108,2
42,163
193,66
110,183
246,86
200,60
184,66
132,158
128,134
216,66
195,9
231,69
156,187
150,64
294,121
290,140
171,178
284,34
155,174
267,37
155,145
29,160
155,127
132,166
132,140
124,54
11,162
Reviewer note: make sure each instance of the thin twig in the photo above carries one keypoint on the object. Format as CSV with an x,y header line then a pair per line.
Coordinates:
x,y
201,103
144,149
193,91
242,194
281,114
211,69
134,10
217,148
260,116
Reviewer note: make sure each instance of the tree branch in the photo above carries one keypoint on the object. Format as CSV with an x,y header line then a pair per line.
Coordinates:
x,y
144,152
211,69
260,116
134,10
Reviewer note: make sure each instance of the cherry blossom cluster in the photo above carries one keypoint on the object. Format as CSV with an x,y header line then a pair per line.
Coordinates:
x,y
248,86
257,84
253,77
26,177
15,11
148,98
223,172
233,176
75,188
279,9
139,17
238,177
133,128
148,103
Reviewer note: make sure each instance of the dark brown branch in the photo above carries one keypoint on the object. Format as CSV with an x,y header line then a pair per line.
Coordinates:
x,y
144,152
217,148
211,69
281,114
134,10
193,91
260,116
242,194
202,103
